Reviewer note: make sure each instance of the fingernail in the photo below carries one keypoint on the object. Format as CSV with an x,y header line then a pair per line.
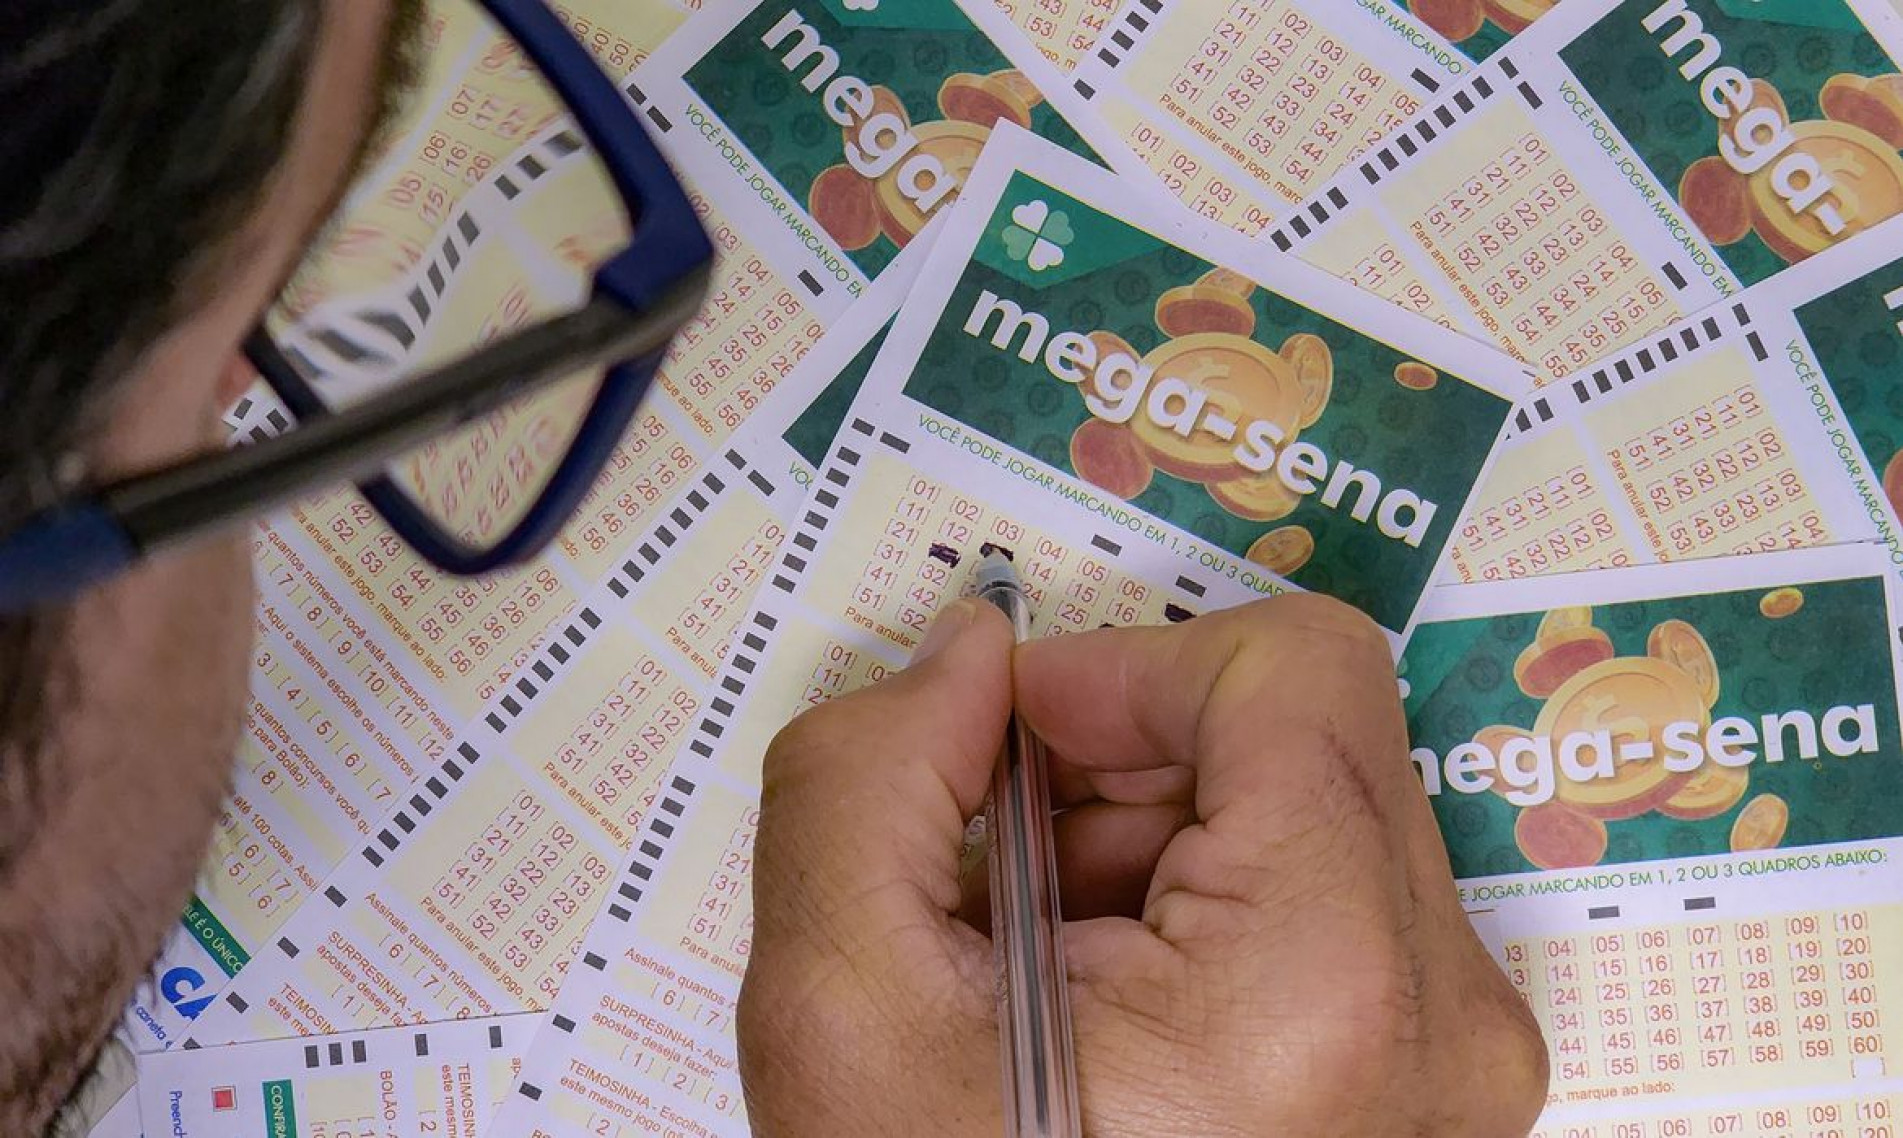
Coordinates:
x,y
944,630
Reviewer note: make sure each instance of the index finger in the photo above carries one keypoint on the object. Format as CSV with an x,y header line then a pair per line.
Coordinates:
x,y
1135,699
1287,710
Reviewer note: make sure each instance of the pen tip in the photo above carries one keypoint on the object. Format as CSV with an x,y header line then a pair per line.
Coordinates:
x,y
995,569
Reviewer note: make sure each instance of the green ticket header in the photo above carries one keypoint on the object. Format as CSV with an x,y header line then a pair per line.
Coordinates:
x,y
869,115
1774,124
215,938
280,1109
1760,719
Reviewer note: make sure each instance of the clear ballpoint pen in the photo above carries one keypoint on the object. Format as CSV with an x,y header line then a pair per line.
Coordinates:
x,y
1040,1078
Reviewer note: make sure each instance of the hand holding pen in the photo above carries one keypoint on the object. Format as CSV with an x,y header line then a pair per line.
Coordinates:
x,y
1262,935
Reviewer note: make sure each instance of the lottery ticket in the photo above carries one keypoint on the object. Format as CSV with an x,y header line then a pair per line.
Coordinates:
x,y
1621,165
1244,109
1671,790
1124,365
370,662
1724,434
439,1079
470,899
962,439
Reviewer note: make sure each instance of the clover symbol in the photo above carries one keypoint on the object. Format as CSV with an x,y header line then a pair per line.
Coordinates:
x,y
862,5
1037,236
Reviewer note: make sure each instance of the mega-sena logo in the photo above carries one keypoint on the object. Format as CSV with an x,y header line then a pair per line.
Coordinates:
x,y
1618,738
1209,405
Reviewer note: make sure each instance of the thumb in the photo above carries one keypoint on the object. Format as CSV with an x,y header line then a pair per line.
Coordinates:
x,y
864,800
866,1007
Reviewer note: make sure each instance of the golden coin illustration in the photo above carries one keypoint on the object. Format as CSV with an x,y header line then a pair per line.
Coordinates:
x,y
1893,482
1682,646
1256,497
1761,824
982,100
1764,94
1107,344
1109,457
1515,16
1861,102
1241,381
1889,88
1560,619
1717,199
1314,365
1455,20
956,145
1284,550
1416,376
1228,280
1711,791
1867,180
1191,309
1550,661
1019,84
1553,835
844,205
1780,603
1632,700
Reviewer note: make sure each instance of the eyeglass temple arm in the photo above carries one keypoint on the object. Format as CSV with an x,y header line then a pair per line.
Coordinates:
x,y
60,550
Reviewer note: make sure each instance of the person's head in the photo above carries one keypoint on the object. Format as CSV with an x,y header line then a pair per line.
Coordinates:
x,y
166,164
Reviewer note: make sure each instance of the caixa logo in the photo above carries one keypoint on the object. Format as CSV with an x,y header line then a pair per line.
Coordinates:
x,y
180,986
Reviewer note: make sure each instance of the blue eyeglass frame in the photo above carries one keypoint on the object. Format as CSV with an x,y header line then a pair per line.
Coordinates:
x,y
641,297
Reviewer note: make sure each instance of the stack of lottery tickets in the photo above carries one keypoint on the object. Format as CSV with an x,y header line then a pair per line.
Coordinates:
x,y
1563,338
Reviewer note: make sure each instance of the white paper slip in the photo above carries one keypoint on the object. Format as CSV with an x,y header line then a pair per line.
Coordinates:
x,y
1086,363
436,1079
790,432
1063,30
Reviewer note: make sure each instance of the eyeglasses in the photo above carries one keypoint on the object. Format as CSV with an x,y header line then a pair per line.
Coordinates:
x,y
530,214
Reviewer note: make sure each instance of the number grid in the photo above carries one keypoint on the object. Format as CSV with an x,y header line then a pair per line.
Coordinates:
x,y
436,790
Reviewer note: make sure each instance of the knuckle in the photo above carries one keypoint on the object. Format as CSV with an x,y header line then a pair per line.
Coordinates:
x,y
808,739
1517,1054
1325,635
1326,620
1501,1038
